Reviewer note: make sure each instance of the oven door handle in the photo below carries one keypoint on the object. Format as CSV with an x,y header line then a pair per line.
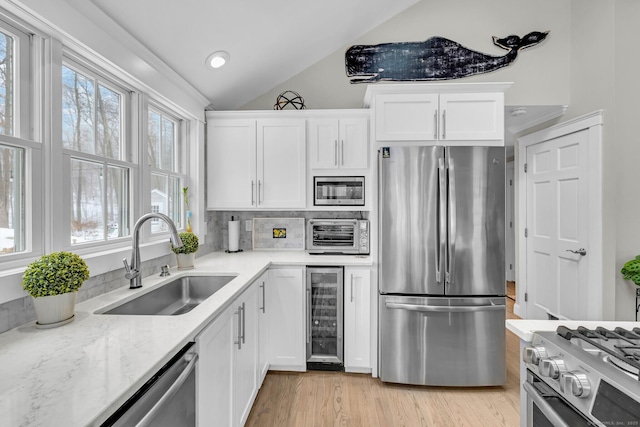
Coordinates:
x,y
544,406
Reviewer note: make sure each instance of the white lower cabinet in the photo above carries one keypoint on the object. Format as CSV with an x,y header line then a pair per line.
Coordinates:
x,y
357,319
263,328
285,309
227,368
215,371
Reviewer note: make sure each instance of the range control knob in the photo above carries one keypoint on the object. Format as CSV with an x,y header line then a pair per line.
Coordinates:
x,y
576,383
534,354
552,367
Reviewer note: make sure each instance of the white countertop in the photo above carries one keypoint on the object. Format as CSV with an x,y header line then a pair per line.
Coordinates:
x,y
524,328
78,374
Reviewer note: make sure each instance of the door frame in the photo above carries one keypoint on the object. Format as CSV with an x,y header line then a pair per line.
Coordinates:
x,y
592,123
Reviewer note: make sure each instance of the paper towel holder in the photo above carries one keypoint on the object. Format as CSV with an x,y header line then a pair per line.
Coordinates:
x,y
227,250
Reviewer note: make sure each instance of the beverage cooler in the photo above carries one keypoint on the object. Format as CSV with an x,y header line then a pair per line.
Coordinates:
x,y
324,318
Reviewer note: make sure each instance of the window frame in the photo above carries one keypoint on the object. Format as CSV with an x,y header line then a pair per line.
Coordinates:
x,y
181,163
128,145
27,100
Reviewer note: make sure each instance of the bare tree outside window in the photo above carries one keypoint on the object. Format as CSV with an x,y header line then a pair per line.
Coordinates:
x,y
92,124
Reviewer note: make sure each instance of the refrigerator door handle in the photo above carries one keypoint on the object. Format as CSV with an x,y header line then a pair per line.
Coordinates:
x,y
441,219
452,221
444,309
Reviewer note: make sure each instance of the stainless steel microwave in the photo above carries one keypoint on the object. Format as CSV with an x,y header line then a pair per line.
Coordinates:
x,y
338,190
338,236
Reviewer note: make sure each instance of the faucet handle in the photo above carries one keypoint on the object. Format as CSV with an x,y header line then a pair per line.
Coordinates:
x,y
130,273
126,265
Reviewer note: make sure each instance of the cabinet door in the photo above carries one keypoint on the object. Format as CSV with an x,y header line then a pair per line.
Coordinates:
x,y
323,143
287,326
406,117
281,163
245,383
472,116
215,372
357,320
263,328
231,164
354,143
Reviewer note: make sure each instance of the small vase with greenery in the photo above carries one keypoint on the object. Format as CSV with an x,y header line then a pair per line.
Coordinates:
x,y
186,253
53,281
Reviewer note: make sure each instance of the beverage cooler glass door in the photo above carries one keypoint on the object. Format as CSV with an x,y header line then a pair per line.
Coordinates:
x,y
325,314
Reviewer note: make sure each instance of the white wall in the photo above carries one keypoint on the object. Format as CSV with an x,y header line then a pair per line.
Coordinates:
x,y
541,73
625,210
589,61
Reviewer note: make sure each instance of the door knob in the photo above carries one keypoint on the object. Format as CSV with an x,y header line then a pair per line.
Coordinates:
x,y
581,251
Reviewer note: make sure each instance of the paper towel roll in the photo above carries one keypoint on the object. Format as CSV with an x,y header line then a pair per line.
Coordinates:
x,y
234,235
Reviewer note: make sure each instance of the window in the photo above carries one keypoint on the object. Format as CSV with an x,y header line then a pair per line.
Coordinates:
x,y
19,157
165,156
93,112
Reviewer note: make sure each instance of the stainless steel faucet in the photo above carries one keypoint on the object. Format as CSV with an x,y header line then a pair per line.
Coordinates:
x,y
133,270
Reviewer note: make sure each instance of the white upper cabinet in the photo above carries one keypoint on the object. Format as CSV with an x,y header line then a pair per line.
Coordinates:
x,y
255,163
447,114
406,117
471,116
281,163
338,143
231,164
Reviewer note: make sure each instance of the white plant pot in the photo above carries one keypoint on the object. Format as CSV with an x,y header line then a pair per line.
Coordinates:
x,y
185,261
54,310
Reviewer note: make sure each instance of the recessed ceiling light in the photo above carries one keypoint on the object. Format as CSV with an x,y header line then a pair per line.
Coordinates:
x,y
217,59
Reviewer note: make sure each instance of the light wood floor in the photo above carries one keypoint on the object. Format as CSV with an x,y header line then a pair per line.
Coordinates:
x,y
321,399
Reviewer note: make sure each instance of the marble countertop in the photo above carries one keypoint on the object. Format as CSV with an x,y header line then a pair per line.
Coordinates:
x,y
78,374
524,328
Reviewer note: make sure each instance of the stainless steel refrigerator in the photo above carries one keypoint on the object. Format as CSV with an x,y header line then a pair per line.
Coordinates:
x,y
442,277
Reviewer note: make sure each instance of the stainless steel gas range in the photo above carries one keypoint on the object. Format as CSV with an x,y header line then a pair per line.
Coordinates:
x,y
583,377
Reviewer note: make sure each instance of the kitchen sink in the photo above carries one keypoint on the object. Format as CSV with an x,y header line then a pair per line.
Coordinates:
x,y
176,297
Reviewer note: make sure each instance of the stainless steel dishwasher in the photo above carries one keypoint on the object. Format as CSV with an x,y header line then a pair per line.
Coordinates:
x,y
168,399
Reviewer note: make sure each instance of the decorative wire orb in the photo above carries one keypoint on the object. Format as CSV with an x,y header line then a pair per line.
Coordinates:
x,y
289,98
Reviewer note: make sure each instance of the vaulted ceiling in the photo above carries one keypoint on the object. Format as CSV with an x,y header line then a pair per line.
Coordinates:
x,y
268,41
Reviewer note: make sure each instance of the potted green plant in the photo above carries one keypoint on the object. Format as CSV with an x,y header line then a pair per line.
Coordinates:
x,y
53,281
631,270
186,253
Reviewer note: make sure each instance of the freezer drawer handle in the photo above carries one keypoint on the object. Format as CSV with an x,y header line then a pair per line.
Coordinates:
x,y
544,407
444,309
149,417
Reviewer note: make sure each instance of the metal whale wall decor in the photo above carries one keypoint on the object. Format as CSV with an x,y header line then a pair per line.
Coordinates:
x,y
436,58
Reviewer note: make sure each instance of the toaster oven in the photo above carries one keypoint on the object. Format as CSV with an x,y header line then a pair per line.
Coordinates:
x,y
338,236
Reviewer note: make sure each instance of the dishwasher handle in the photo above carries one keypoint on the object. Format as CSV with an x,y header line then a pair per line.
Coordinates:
x,y
150,416
444,308
543,405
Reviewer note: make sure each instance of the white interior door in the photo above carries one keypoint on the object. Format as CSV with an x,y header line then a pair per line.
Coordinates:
x,y
557,227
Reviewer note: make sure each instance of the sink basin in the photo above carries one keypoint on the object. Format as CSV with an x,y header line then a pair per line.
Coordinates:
x,y
176,297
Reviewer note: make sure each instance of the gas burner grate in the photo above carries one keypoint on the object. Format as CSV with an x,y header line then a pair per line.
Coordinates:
x,y
629,354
